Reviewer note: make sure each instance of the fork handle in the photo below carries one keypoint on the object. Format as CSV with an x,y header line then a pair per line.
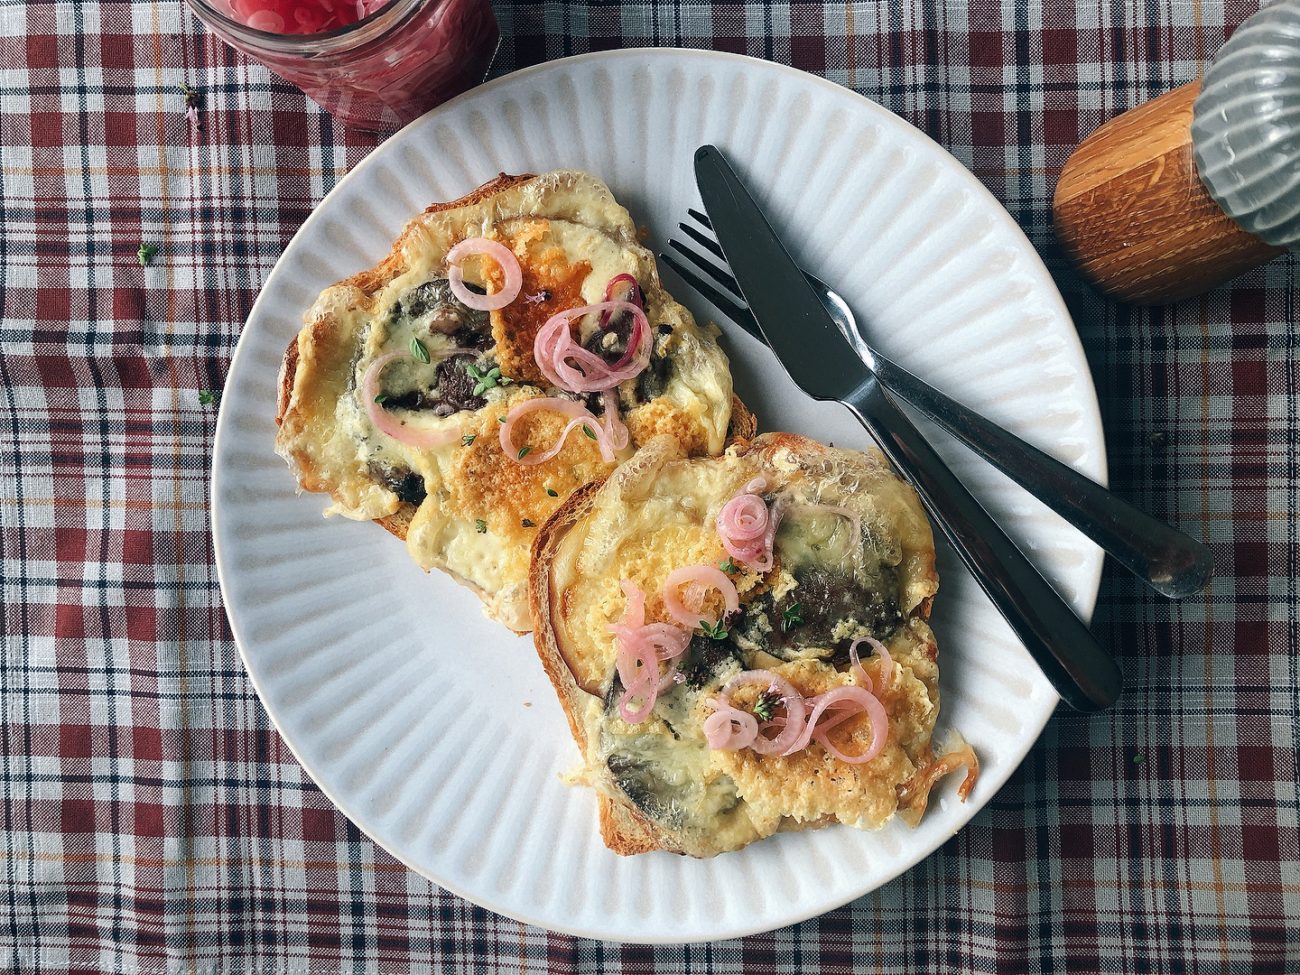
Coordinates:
x,y
1169,561
1080,670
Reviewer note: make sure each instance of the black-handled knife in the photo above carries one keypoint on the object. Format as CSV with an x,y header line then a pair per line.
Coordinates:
x,y
821,362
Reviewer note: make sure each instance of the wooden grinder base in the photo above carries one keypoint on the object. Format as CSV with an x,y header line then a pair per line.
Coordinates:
x,y
1132,213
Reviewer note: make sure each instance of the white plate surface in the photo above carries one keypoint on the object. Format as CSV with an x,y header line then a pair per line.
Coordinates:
x,y
434,729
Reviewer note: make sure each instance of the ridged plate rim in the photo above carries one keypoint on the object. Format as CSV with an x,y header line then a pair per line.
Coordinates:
x,y
1044,290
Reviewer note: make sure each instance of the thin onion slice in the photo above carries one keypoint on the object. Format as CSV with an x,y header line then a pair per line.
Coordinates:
x,y
858,696
641,647
634,610
607,437
729,729
886,661
743,518
805,719
790,698
623,287
747,529
879,734
569,366
482,247
388,424
615,430
707,575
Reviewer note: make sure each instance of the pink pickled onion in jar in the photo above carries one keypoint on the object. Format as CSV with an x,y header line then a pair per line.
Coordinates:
x,y
303,16
373,64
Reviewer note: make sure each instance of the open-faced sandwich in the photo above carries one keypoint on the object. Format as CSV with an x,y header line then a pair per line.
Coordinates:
x,y
740,643
515,345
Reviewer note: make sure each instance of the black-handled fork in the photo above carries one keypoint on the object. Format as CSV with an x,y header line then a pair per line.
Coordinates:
x,y
824,365
1168,560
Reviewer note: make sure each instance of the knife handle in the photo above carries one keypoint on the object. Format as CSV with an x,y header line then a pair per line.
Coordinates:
x,y
1169,561
1085,676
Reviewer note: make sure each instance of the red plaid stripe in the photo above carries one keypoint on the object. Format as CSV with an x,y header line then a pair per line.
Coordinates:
x,y
154,822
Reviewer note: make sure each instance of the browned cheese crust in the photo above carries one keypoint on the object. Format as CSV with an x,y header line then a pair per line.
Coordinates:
x,y
597,535
474,488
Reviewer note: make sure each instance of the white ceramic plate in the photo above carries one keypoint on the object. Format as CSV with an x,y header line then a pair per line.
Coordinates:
x,y
434,729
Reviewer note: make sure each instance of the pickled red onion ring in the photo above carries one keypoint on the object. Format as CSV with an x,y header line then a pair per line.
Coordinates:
x,y
859,696
790,698
614,429
266,20
641,647
569,366
631,292
634,611
729,729
707,575
827,723
886,661
609,438
874,710
388,424
509,264
743,518
747,528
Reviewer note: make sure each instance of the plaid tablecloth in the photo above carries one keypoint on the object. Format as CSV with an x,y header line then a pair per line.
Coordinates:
x,y
152,819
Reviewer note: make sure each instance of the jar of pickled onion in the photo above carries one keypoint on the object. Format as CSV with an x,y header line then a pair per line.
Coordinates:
x,y
373,64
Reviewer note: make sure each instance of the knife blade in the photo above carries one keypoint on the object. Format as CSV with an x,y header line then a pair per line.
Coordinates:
x,y
820,360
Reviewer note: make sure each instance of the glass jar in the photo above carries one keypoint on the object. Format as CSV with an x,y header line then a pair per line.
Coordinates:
x,y
382,71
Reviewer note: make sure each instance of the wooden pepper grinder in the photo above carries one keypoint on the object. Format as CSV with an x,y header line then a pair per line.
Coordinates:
x,y
1186,191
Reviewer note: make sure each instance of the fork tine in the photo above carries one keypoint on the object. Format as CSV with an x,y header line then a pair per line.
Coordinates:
x,y
701,217
691,271
706,266
738,313
705,241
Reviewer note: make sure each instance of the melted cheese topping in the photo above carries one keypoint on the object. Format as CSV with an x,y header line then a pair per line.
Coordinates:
x,y
481,509
657,514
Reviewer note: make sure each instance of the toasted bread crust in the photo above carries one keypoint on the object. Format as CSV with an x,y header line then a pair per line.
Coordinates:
x,y
576,507
743,426
625,830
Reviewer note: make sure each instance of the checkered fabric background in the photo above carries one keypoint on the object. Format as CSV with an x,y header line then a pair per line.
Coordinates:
x,y
152,819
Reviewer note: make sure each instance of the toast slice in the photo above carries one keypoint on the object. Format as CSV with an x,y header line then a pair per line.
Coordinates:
x,y
465,506
853,557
